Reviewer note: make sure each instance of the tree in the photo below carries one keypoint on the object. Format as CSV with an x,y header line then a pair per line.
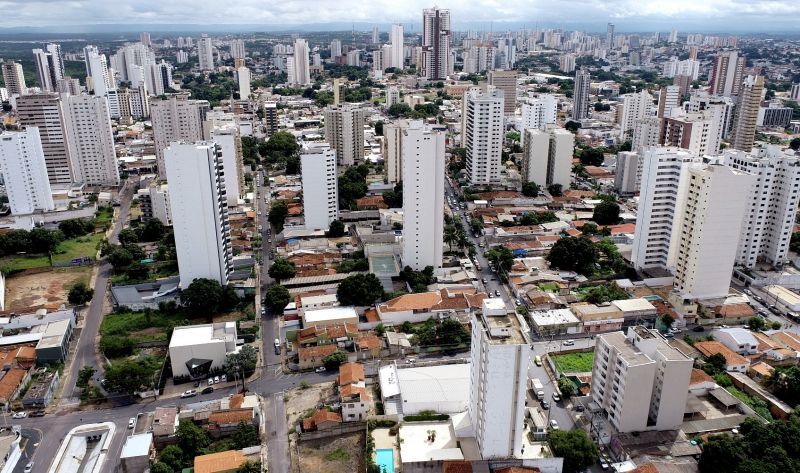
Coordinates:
x,y
359,290
243,360
160,467
282,268
667,320
572,126
605,293
245,436
203,296
721,453
172,456
250,467
530,189
138,271
76,227
756,323
191,438
574,254
795,144
335,359
592,156
44,240
566,386
277,215
85,375
606,213
280,145
336,229
127,377
119,257
128,236
715,364
277,297
80,294
576,448
379,128
502,258
153,230
116,346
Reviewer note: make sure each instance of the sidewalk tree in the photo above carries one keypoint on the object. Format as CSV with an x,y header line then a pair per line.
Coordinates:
x,y
575,447
282,268
277,215
80,294
244,360
277,297
85,375
334,360
555,190
566,386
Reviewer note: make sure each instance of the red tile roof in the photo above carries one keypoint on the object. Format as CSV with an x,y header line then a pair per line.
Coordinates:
x,y
350,373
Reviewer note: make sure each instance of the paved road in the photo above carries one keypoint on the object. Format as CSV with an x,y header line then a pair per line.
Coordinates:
x,y
32,439
277,435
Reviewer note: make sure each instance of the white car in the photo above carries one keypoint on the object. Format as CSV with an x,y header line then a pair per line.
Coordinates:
x,y
131,422
19,415
553,424
216,379
320,369
189,393
569,343
28,468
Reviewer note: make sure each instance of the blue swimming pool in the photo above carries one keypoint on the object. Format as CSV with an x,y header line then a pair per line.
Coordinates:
x,y
384,457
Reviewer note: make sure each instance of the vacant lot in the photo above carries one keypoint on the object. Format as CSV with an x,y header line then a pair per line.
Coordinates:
x,y
574,362
140,326
336,455
77,248
30,290
301,402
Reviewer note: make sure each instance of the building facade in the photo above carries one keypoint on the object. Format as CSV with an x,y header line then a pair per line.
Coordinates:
x,y
24,171
547,157
436,43
483,135
46,112
320,187
176,118
344,131
91,140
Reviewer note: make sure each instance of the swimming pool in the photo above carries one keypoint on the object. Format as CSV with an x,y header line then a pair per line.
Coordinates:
x,y
384,457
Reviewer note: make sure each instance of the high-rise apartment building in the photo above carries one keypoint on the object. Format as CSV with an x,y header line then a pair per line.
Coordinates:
x,y
547,156
24,172
205,53
68,86
539,112
336,48
628,174
746,113
298,69
221,128
270,118
144,38
49,67
794,94
199,215
45,111
91,140
727,73
580,96
771,204
392,96
14,78
635,106
507,82
397,46
243,78
176,118
154,203
709,218
700,133
640,380
237,49
392,150
320,187
566,63
610,36
483,135
500,359
423,165
436,42
344,131
98,79
669,99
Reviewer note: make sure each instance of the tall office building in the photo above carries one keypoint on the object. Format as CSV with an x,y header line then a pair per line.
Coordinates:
x,y
436,42
344,131
640,380
703,249
746,114
320,187
663,171
610,35
237,49
176,118
91,141
423,165
45,111
98,79
635,106
336,48
506,53
144,38
539,112
673,36
628,174
580,97
398,55
669,98
500,359
727,73
547,156
24,172
298,69
483,135
49,67
771,204
205,53
507,82
199,217
14,78
243,78
161,78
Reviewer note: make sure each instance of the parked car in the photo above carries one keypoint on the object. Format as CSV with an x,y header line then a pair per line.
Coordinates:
x,y
320,369
210,381
553,424
223,378
496,293
569,343
189,393
216,379
19,415
545,404
131,422
603,465
207,390
410,361
556,397
28,468
39,413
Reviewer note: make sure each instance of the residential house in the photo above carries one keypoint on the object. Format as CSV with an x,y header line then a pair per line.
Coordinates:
x,y
226,422
165,421
760,371
311,357
322,419
337,334
422,306
355,401
733,361
598,318
137,453
700,383
739,340
222,462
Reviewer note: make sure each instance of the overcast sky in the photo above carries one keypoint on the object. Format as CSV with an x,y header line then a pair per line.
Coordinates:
x,y
630,15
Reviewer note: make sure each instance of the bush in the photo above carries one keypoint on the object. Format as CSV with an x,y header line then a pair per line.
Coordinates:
x,y
425,416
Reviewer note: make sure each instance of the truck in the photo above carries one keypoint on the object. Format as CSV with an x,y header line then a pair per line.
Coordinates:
x,y
536,387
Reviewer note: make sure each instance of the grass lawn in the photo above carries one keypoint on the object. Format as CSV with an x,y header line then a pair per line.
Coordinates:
x,y
104,216
574,362
77,248
549,286
140,328
20,263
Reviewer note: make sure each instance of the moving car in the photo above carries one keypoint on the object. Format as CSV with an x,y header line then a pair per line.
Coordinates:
x,y
569,343
553,424
28,468
538,360
131,422
19,415
497,293
320,369
39,413
189,393
207,390
556,397
545,404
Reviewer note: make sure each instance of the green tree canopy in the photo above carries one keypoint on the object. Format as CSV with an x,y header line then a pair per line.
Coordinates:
x,y
277,297
555,190
277,215
606,213
245,359
574,254
578,451
128,377
359,290
605,293
336,229
282,268
192,439
501,257
335,359
80,294
530,189
203,296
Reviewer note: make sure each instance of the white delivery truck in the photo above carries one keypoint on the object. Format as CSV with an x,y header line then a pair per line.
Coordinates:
x,y
536,386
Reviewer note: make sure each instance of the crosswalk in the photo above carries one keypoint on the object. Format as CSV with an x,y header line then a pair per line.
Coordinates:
x,y
282,375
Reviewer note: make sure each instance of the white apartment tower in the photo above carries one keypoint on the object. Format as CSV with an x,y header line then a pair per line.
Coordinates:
x,y
176,119
436,42
237,49
708,226
727,73
539,112
500,359
397,46
771,204
646,133
640,380
24,172
14,78
298,69
223,131
628,175
49,66
91,140
344,131
199,215
320,188
243,77
392,96
205,53
635,106
98,79
423,164
547,156
336,48
483,135
392,150
700,133
45,111
580,97
669,98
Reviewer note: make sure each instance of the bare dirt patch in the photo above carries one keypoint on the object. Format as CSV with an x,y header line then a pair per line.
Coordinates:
x,y
333,455
300,401
31,290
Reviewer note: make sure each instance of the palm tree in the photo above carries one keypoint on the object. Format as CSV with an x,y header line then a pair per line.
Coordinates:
x,y
450,236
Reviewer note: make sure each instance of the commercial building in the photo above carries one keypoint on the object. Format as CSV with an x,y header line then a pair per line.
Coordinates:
x,y
771,204
205,53
507,82
436,43
320,187
14,78
409,390
176,118
640,381
199,214
24,171
727,73
500,358
344,131
547,156
337,315
746,115
136,453
483,135
196,350
580,96
91,140
45,111
774,116
423,164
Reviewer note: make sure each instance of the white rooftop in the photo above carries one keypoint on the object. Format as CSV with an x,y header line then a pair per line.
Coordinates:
x,y
740,335
191,335
330,313
137,445
316,300
554,317
445,383
494,303
633,305
416,446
